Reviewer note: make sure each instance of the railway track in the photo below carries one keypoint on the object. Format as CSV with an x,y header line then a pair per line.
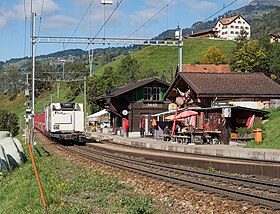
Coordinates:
x,y
216,157
258,192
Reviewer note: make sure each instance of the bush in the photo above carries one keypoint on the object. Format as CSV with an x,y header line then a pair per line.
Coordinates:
x,y
9,122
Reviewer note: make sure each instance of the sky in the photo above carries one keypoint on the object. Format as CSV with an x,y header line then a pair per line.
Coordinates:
x,y
58,18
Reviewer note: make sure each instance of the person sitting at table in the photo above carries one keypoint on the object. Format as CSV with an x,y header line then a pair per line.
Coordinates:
x,y
184,129
167,133
177,129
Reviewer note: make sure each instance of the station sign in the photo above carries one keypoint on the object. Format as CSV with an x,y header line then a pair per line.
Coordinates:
x,y
125,112
151,105
172,107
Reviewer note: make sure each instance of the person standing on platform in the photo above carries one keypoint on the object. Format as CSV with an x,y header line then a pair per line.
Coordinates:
x,y
155,128
125,126
142,126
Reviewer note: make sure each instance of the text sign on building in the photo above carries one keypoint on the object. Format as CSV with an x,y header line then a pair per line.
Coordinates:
x,y
151,105
172,107
227,112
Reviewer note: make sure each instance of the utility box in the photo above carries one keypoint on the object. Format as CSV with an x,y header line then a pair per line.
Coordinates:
x,y
258,135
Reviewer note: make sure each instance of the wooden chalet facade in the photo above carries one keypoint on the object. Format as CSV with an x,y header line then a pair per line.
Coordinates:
x,y
211,93
204,88
135,100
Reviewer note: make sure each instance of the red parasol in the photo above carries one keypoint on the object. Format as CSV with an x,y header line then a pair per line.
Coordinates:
x,y
186,114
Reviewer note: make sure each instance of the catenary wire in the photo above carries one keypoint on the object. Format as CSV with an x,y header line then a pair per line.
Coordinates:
x,y
80,21
25,26
41,16
118,4
151,18
40,23
224,7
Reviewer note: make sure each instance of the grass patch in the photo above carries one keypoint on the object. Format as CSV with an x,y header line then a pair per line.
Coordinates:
x,y
163,58
271,133
68,188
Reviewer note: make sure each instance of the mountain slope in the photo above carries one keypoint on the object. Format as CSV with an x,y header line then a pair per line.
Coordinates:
x,y
164,58
269,24
252,12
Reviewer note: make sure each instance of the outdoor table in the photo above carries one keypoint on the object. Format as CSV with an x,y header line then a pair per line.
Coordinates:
x,y
180,138
213,135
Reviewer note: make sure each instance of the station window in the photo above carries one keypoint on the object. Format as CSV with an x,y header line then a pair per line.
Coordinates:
x,y
152,93
232,32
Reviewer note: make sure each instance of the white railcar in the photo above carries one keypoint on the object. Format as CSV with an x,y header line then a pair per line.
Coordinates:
x,y
65,121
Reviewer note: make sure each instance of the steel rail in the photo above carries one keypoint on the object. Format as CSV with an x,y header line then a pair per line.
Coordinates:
x,y
196,155
258,199
245,181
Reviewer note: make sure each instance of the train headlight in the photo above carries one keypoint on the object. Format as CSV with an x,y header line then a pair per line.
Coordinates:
x,y
55,126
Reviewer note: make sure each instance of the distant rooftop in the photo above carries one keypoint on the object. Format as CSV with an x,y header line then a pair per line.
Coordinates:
x,y
226,21
206,68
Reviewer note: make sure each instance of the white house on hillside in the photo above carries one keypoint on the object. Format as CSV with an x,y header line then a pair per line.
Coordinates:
x,y
229,28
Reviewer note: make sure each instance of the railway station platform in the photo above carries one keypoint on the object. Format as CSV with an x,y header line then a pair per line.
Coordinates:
x,y
232,151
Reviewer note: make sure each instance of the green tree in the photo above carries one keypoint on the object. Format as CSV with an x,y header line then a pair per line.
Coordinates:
x,y
74,70
43,76
128,70
274,62
9,122
99,85
241,39
213,55
250,58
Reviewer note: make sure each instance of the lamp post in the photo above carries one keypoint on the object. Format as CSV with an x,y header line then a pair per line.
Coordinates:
x,y
179,36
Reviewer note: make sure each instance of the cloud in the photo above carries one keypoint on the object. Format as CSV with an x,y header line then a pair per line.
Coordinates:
x,y
18,11
153,6
202,5
141,16
59,22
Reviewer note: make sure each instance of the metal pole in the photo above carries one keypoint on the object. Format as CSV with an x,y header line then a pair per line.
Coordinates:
x,y
57,87
90,58
20,126
63,63
180,54
33,69
85,101
31,136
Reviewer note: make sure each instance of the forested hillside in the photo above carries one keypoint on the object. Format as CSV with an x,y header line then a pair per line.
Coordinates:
x,y
163,59
252,12
269,24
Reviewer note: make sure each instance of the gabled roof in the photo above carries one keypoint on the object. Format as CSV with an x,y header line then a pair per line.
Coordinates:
x,y
228,85
202,32
274,35
227,21
121,90
205,68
